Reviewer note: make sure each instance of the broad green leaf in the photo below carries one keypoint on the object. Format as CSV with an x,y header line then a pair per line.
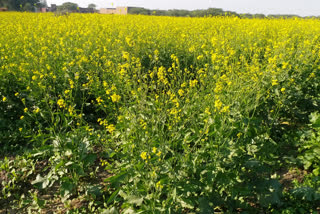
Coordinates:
x,y
132,199
113,195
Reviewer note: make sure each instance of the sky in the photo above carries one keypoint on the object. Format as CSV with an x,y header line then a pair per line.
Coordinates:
x,y
299,7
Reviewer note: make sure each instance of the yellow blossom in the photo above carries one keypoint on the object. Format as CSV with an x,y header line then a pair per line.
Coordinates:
x,y
193,83
225,109
217,104
115,98
61,103
111,128
200,57
154,149
207,111
125,55
144,155
158,154
36,110
158,185
181,92
99,100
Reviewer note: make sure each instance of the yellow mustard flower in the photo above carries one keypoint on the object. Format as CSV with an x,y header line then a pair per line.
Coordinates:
x,y
61,103
36,110
207,111
99,100
181,92
144,155
111,128
154,149
115,98
159,185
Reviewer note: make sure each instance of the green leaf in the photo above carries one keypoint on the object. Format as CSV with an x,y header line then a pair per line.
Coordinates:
x,y
41,203
66,187
315,119
304,193
174,194
113,195
117,179
112,210
41,180
94,190
186,203
89,159
132,199
129,211
204,206
38,179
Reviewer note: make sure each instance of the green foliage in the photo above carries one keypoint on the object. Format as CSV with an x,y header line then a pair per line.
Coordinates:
x,y
20,5
68,7
194,13
202,13
310,149
92,6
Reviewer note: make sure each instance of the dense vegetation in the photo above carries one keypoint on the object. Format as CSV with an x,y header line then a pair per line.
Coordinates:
x,y
110,114
203,13
22,5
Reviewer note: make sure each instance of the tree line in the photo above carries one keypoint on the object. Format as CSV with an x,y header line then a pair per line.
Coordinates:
x,y
23,5
32,5
202,13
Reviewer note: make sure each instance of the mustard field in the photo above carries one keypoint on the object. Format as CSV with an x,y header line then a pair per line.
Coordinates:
x,y
145,114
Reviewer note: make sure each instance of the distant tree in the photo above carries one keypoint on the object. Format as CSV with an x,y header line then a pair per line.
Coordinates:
x,y
259,16
19,5
43,3
28,7
215,12
246,16
206,13
139,10
93,6
68,7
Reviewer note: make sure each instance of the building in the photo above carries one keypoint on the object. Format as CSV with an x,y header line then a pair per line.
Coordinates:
x,y
2,9
86,10
117,10
107,10
53,8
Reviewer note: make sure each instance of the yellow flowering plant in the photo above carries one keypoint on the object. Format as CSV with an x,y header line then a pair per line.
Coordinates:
x,y
196,115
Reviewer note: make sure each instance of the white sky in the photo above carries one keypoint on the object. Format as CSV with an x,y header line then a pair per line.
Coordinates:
x,y
299,7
